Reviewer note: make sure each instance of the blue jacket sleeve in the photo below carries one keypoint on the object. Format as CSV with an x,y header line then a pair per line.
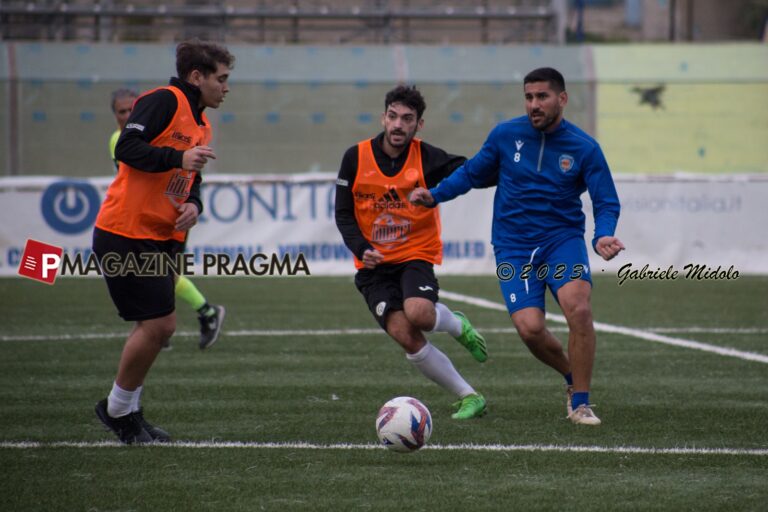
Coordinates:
x,y
480,171
605,200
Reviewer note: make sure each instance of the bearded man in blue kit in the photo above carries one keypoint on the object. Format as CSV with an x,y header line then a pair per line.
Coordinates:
x,y
541,164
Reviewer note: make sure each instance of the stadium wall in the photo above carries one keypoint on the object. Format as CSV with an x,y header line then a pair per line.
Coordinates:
x,y
665,222
656,109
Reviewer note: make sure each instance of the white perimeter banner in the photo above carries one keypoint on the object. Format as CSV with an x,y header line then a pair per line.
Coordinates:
x,y
665,221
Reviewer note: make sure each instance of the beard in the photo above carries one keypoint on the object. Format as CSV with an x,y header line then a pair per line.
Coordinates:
x,y
543,121
407,137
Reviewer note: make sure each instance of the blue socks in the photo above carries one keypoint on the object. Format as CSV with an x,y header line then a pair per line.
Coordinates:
x,y
579,399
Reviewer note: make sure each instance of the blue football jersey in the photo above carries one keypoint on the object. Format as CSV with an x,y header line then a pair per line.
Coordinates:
x,y
539,179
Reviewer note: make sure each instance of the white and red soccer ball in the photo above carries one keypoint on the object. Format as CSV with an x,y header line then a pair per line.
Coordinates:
x,y
404,424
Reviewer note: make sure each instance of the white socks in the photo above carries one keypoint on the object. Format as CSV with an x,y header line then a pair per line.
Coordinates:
x,y
121,402
446,321
438,368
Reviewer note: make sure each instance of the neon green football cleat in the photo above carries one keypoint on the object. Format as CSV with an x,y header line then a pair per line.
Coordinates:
x,y
471,406
471,339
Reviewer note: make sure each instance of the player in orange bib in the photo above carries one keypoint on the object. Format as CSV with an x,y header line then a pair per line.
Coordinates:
x,y
395,244
210,316
148,210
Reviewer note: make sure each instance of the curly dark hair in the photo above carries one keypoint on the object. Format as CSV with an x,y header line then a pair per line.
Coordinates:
x,y
409,96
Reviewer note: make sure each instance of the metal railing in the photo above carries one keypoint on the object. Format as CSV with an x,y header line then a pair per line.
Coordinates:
x,y
299,22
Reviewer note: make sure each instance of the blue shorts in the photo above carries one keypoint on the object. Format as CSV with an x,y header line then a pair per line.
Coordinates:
x,y
524,274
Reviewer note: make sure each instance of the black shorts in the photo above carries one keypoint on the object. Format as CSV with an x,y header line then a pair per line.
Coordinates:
x,y
138,297
386,287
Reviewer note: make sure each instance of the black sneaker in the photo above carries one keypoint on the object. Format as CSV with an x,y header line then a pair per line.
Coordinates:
x,y
210,326
158,435
127,428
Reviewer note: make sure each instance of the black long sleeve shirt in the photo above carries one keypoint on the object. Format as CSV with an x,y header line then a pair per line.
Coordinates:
x,y
150,116
437,165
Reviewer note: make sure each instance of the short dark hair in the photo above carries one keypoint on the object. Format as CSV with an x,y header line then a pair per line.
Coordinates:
x,y
551,75
119,94
203,56
409,96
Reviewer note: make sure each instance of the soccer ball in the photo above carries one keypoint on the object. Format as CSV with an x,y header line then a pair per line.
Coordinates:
x,y
404,424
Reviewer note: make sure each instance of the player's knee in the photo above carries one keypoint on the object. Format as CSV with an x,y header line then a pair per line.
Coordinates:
x,y
530,331
421,315
579,315
422,322
163,328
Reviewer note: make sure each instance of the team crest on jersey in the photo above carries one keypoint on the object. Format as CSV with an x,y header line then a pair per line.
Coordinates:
x,y
179,184
566,163
390,230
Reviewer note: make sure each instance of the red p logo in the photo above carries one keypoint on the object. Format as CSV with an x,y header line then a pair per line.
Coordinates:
x,y
40,261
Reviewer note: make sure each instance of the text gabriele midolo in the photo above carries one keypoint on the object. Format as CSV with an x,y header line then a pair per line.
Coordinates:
x,y
690,271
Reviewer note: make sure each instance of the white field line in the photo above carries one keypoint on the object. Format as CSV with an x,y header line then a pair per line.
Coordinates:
x,y
710,330
648,334
433,447
626,331
239,333
349,332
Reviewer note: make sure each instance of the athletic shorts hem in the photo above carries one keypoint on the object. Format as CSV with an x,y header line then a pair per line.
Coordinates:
x,y
386,287
147,316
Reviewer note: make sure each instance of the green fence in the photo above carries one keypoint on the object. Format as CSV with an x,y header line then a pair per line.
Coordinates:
x,y
655,109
